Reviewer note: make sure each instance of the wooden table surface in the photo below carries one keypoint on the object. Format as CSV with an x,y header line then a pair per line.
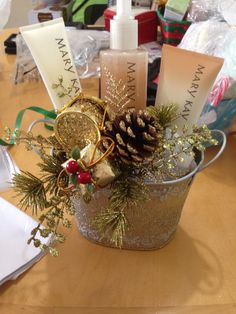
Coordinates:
x,y
195,273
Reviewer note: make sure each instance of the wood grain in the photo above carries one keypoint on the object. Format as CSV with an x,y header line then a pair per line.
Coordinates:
x,y
209,309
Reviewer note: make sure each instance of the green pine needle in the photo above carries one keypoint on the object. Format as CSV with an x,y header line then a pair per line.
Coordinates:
x,y
127,190
51,167
112,224
32,188
164,114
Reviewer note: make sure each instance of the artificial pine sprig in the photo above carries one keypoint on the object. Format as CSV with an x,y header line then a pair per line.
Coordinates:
x,y
32,189
127,191
129,188
51,169
112,224
164,114
43,194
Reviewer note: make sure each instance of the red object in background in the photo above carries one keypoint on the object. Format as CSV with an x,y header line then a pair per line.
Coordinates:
x,y
147,24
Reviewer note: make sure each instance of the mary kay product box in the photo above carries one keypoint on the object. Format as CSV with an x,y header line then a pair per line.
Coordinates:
x,y
176,9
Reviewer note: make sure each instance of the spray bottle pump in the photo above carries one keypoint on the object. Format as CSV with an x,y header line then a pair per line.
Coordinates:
x,y
124,28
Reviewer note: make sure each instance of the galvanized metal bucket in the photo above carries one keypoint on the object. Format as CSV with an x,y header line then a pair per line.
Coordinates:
x,y
154,223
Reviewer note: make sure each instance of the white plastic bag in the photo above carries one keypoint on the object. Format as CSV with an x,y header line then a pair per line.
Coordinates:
x,y
5,8
85,46
203,10
227,8
216,39
204,37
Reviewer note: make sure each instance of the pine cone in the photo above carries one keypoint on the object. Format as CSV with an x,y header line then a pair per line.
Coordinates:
x,y
137,136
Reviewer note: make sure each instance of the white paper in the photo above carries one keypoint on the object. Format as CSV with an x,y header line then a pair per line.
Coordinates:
x,y
15,254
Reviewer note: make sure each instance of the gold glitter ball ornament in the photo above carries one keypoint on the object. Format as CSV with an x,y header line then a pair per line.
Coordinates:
x,y
79,122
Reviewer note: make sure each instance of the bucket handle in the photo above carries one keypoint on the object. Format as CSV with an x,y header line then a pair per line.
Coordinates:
x,y
35,122
223,142
203,166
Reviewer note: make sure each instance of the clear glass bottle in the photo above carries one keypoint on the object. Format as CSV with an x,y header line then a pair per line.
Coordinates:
x,y
124,60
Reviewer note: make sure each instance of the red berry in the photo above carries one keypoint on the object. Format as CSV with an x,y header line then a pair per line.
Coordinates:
x,y
72,166
84,177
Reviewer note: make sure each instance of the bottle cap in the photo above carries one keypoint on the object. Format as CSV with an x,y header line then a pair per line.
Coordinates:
x,y
124,28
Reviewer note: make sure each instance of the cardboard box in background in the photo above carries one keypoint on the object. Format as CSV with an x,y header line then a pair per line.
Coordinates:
x,y
44,13
175,10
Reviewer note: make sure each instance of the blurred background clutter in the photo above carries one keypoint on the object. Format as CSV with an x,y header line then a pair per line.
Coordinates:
x,y
203,26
